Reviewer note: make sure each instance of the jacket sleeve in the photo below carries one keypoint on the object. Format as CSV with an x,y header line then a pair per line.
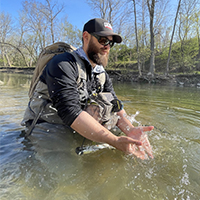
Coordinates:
x,y
61,75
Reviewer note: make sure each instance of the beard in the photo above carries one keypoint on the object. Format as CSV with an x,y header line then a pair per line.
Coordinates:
x,y
95,56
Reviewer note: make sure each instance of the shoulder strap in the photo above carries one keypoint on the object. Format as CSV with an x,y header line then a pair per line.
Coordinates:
x,y
102,78
81,68
45,56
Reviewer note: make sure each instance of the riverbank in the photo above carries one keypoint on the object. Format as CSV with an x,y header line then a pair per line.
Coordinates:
x,y
188,80
19,70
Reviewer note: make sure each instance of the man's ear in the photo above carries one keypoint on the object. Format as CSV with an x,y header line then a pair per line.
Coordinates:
x,y
86,37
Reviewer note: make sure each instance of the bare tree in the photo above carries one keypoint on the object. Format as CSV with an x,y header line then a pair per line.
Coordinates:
x,y
70,34
51,11
136,38
197,27
106,9
170,47
157,17
5,43
6,30
115,11
186,32
151,7
41,18
143,39
36,21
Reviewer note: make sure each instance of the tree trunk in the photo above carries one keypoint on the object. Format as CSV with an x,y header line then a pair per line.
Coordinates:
x,y
2,54
198,56
8,60
137,45
170,47
5,43
198,37
152,58
143,36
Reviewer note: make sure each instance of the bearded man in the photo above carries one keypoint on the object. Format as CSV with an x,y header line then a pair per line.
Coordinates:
x,y
78,93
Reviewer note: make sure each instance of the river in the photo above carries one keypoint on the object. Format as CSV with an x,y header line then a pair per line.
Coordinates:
x,y
58,173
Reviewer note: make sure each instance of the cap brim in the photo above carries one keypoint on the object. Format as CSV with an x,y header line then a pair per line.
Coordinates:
x,y
116,38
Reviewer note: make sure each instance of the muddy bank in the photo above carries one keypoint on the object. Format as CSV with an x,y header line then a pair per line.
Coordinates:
x,y
183,80
19,70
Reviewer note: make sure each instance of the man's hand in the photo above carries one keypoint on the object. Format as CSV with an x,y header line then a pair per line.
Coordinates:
x,y
125,144
137,133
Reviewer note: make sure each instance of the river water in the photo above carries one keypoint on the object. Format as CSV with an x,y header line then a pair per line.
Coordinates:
x,y
56,172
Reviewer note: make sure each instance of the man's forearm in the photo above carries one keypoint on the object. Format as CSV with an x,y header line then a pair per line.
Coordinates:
x,y
123,123
88,127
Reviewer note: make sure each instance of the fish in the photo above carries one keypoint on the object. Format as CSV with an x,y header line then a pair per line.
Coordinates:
x,y
92,148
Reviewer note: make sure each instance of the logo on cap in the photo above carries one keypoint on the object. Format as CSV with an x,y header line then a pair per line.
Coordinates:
x,y
107,25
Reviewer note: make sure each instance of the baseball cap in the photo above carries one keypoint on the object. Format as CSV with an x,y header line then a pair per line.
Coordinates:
x,y
101,27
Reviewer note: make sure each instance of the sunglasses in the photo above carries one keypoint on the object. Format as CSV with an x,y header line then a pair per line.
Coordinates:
x,y
103,40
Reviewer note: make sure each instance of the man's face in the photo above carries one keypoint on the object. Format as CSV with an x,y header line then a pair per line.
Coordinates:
x,y
98,53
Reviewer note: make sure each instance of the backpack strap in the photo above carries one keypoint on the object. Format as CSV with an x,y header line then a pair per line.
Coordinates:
x,y
45,56
81,69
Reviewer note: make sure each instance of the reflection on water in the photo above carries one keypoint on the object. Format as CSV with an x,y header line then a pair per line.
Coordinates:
x,y
52,170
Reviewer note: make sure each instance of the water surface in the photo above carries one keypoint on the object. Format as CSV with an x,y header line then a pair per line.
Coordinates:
x,y
54,171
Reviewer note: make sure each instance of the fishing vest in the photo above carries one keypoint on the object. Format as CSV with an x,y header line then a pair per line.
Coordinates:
x,y
40,107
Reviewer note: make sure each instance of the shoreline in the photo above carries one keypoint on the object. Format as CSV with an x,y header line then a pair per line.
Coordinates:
x,y
188,80
17,70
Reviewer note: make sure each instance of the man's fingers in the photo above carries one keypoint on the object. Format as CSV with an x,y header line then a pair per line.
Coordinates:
x,y
149,151
136,142
146,145
147,128
139,153
131,140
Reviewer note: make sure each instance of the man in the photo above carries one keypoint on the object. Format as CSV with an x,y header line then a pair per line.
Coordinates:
x,y
68,99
